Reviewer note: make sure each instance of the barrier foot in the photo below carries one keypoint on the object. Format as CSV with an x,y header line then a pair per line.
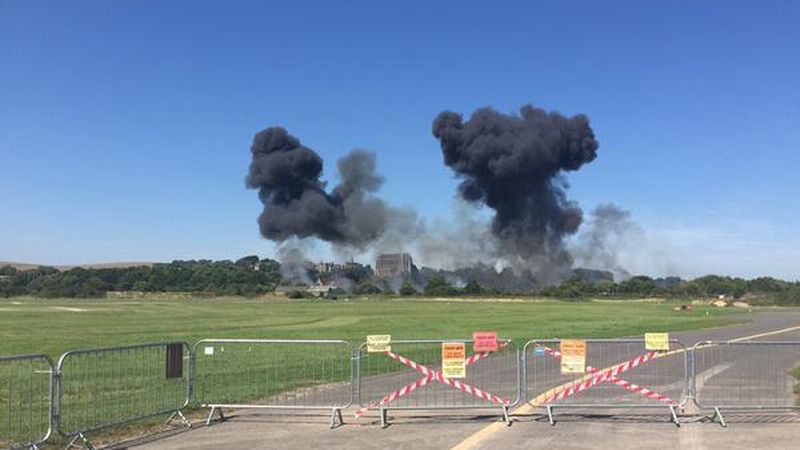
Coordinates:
x,y
179,415
718,413
337,413
506,418
674,416
84,442
211,415
384,417
550,415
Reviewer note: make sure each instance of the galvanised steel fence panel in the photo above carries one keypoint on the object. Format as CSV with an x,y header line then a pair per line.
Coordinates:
x,y
104,387
386,382
746,375
26,394
620,373
275,374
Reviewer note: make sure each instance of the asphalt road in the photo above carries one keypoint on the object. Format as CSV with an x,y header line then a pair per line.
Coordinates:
x,y
734,375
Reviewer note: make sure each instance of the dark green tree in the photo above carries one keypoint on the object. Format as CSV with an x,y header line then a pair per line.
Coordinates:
x,y
473,288
438,286
407,289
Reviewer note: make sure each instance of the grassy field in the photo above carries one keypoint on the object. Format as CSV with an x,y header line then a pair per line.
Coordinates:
x,y
54,326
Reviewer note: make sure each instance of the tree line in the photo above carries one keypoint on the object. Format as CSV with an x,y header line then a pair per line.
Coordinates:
x,y
762,290
250,276
246,276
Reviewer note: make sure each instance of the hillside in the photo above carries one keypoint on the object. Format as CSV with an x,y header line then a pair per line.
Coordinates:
x,y
111,265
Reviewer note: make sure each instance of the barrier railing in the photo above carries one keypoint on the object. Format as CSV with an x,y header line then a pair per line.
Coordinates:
x,y
410,377
100,388
745,375
274,374
89,390
618,373
26,399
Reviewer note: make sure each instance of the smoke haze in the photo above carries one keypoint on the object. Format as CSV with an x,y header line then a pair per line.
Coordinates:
x,y
603,237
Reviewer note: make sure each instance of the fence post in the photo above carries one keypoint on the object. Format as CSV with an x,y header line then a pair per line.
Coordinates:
x,y
691,381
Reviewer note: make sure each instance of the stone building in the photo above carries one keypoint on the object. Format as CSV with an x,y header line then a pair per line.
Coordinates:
x,y
393,264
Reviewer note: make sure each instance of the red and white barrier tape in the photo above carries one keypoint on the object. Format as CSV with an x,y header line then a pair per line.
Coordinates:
x,y
609,375
430,375
633,387
405,390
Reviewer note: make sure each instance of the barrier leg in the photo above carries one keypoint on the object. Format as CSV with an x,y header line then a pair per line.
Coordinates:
x,y
337,413
550,415
506,418
179,415
84,441
718,413
211,415
674,415
384,417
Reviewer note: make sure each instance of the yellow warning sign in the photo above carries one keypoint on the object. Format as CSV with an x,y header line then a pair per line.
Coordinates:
x,y
573,356
379,343
656,341
454,363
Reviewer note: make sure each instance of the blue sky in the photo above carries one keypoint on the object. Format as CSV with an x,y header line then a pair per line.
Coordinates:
x,y
125,126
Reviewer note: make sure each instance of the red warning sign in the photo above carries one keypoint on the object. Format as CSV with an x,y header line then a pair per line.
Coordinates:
x,y
484,341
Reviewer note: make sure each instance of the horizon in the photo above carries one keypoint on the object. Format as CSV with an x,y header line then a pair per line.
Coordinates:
x,y
126,129
129,264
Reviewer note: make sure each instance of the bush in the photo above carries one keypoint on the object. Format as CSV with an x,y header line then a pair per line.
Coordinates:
x,y
294,295
407,289
473,288
438,286
367,288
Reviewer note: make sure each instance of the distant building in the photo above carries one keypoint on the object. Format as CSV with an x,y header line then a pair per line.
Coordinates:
x,y
331,267
321,289
393,264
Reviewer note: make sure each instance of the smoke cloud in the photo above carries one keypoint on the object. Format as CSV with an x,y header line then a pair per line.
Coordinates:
x,y
296,204
514,164
294,265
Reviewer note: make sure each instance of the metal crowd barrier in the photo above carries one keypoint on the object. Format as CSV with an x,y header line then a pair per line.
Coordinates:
x,y
409,378
26,400
105,387
274,374
619,373
727,378
89,390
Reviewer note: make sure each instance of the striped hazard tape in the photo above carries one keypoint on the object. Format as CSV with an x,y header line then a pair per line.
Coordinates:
x,y
609,375
431,375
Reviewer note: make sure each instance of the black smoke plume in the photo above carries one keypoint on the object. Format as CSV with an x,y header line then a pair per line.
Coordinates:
x,y
296,204
514,165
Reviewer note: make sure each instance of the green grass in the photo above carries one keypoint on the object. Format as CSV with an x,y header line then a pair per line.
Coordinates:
x,y
54,326
111,386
